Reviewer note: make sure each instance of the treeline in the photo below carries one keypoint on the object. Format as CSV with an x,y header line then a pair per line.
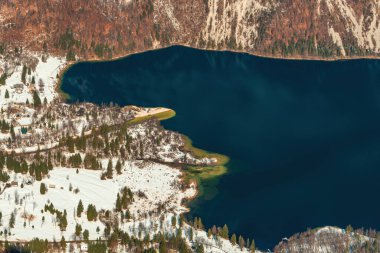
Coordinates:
x,y
61,216
223,232
4,126
310,47
39,168
67,42
125,200
164,243
305,47
102,141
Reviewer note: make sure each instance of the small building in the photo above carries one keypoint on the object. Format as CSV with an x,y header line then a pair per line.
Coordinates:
x,y
52,186
19,87
14,183
83,247
24,130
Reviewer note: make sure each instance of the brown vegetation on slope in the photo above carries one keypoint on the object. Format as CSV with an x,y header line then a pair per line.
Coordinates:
x,y
109,28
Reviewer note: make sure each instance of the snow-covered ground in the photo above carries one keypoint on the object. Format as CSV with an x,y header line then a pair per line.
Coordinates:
x,y
159,183
45,77
158,190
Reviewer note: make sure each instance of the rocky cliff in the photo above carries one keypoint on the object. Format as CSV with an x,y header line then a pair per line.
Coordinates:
x,y
278,28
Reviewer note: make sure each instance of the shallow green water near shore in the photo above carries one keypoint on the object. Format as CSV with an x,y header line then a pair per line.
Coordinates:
x,y
303,136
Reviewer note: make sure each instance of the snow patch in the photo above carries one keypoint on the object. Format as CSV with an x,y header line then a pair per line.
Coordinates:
x,y
337,40
238,15
165,8
159,183
45,80
367,37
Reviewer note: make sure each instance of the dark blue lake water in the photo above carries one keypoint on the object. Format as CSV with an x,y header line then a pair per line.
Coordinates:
x,y
303,136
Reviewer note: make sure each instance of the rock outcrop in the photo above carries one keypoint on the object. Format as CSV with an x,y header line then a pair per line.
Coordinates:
x,y
278,28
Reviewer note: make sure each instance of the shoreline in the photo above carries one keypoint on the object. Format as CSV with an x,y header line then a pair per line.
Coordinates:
x,y
288,58
221,160
61,94
163,115
70,64
190,174
207,171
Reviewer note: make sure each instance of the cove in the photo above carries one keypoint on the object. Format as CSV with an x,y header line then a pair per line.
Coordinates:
x,y
303,136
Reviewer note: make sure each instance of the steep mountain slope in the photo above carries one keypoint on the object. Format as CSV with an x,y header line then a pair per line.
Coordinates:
x,y
280,28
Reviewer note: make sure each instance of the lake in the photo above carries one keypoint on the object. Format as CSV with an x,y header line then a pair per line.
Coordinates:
x,y
303,136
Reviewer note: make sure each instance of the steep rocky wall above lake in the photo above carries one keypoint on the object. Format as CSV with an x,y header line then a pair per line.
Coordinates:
x,y
280,28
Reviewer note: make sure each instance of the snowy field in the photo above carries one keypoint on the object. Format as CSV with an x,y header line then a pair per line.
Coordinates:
x,y
158,182
45,77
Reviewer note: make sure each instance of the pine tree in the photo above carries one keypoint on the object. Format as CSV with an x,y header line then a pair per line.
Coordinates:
x,y
13,134
63,243
253,246
200,248
6,94
118,167
233,239
78,230
118,203
80,208
241,242
163,248
70,145
23,74
209,233
214,230
36,99
12,220
174,221
127,197
63,221
191,234
91,213
109,169
200,224
225,232
3,78
43,188
86,235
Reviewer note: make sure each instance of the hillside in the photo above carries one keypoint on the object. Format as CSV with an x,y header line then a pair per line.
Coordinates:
x,y
277,28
